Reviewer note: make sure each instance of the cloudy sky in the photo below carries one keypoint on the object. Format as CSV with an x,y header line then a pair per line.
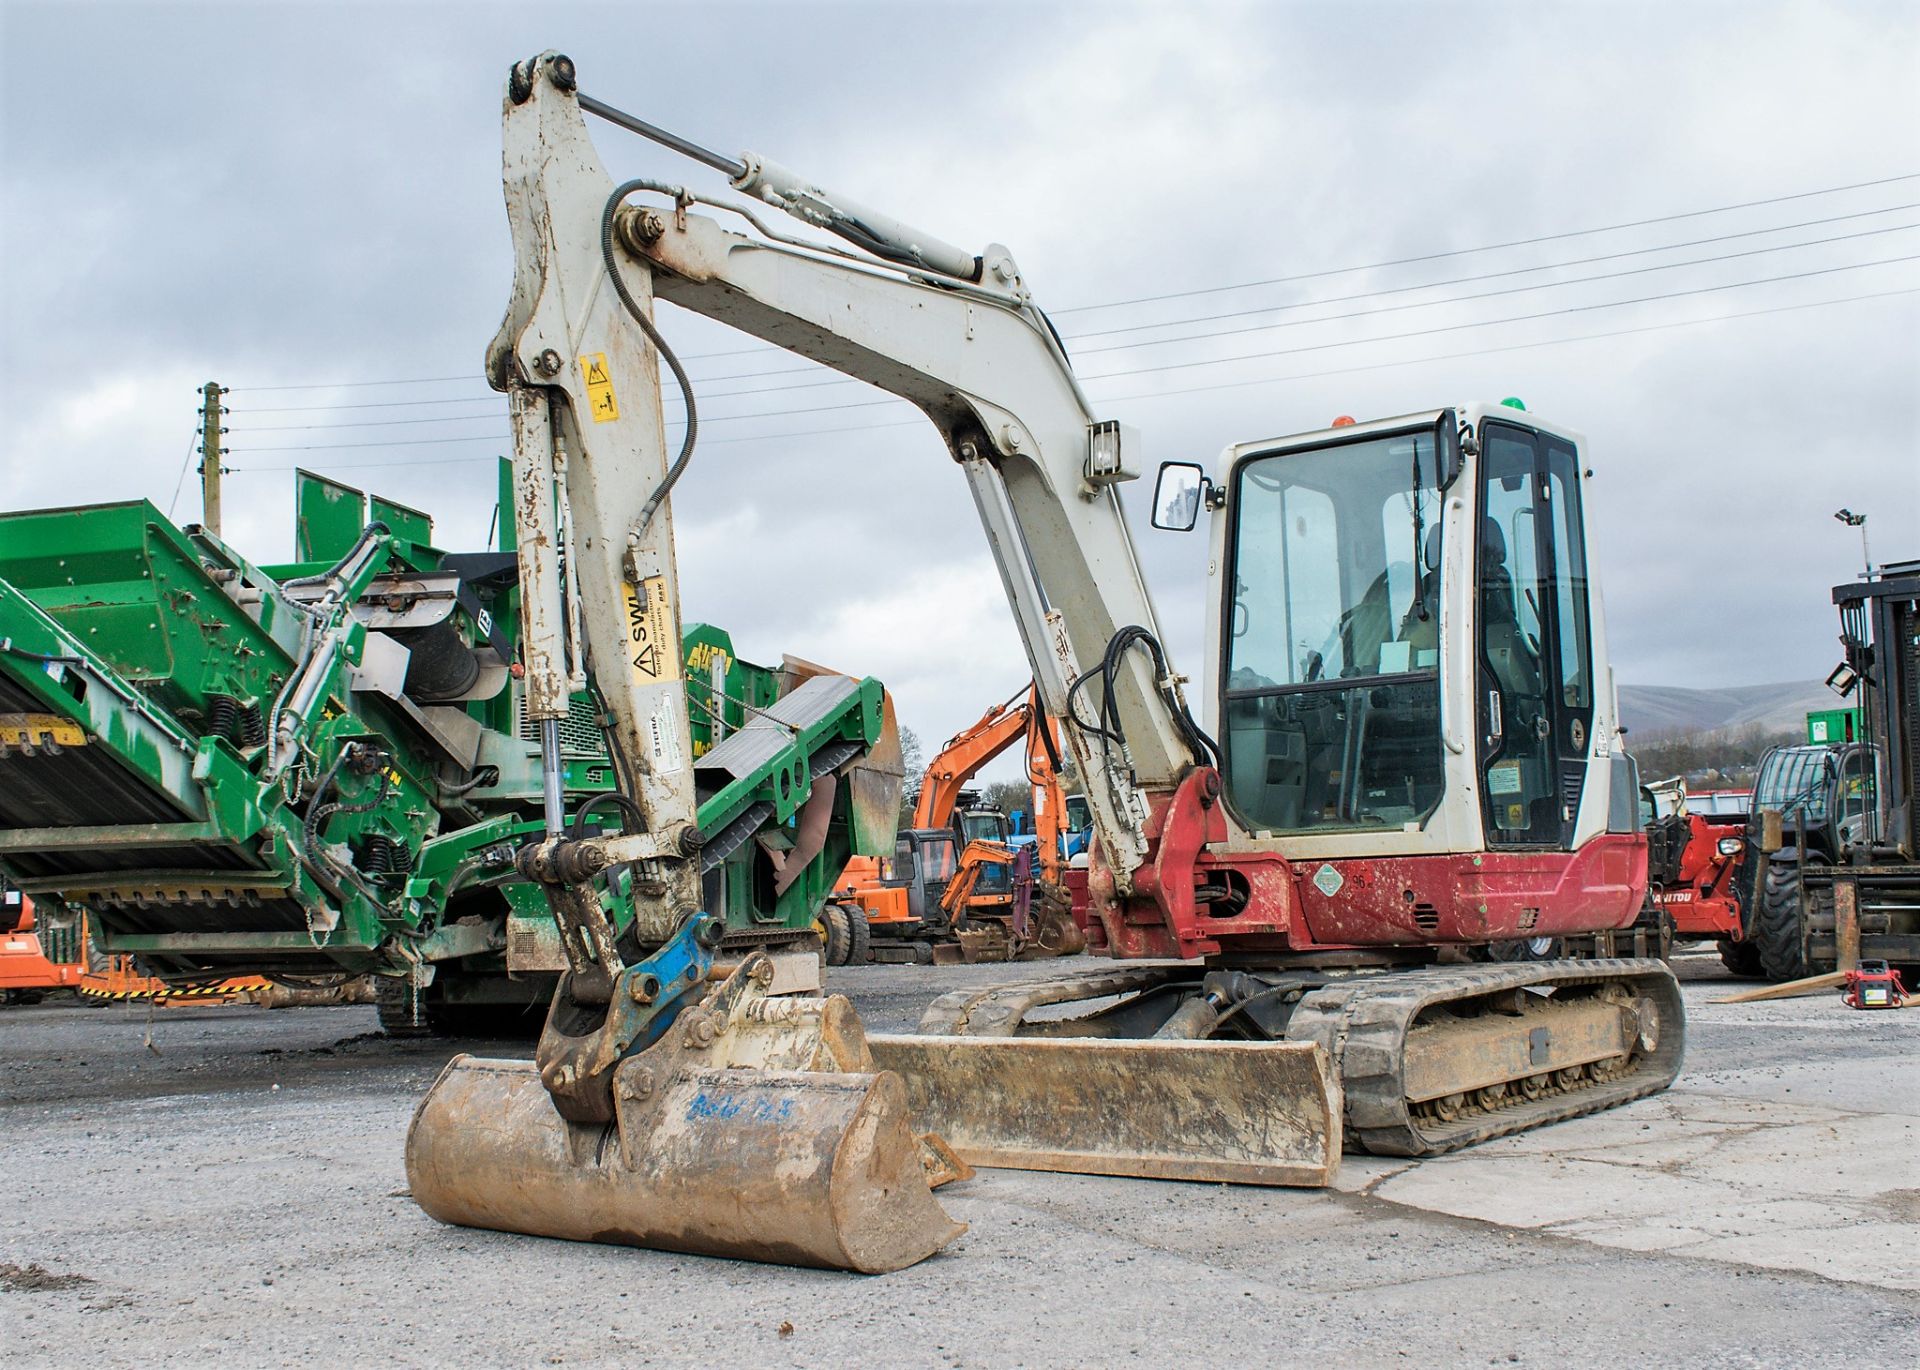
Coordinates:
x,y
1722,202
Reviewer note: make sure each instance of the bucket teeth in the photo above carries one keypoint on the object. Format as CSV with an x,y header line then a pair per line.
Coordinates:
x,y
756,1128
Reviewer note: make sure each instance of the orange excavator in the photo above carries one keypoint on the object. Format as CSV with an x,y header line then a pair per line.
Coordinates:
x,y
956,888
29,965
38,956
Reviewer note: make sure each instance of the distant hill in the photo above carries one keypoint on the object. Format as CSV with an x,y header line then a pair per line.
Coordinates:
x,y
1654,710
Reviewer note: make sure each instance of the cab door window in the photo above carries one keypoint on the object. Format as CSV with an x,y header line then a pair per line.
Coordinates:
x,y
1857,803
1536,709
1571,633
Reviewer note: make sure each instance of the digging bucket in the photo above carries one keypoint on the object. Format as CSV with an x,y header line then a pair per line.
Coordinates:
x,y
757,1128
1226,1112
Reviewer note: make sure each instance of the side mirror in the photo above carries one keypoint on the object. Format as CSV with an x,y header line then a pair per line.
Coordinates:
x,y
1448,459
1178,492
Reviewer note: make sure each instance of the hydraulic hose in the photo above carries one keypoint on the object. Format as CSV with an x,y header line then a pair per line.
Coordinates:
x,y
639,316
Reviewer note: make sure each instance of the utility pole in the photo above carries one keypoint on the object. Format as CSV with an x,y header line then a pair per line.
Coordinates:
x,y
210,431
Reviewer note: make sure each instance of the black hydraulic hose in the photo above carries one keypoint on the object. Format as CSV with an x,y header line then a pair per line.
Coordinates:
x,y
379,796
318,813
465,787
639,316
1205,750
622,771
629,810
316,809
1048,744
6,645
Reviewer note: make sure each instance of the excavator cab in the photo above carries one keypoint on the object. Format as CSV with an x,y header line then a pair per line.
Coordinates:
x,y
980,824
1405,649
924,863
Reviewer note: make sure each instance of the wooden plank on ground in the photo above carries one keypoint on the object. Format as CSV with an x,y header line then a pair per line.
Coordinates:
x,y
1788,989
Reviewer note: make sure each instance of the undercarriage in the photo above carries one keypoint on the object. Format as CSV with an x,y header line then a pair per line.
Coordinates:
x,y
1423,1060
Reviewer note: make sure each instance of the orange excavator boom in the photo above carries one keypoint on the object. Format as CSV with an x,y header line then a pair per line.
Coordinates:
x,y
960,759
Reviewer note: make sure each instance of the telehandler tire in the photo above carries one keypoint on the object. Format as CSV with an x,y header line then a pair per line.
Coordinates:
x,y
1741,959
1777,938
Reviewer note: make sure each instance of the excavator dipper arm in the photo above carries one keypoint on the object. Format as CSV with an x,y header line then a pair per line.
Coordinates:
x,y
659,1111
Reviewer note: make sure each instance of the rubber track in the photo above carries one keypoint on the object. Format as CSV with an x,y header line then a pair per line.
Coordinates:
x,y
1363,1025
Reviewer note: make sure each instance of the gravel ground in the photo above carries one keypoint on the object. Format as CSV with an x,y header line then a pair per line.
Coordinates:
x,y
222,1181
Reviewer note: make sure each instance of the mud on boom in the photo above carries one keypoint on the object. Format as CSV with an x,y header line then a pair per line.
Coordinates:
x,y
1409,743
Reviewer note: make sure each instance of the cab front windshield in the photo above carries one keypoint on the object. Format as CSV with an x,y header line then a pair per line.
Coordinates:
x,y
984,825
1332,694
1794,780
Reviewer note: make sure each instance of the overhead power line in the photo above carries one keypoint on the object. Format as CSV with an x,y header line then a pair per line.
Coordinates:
x,y
1490,294
408,464
1228,360
1511,271
839,380
819,382
1517,347
193,440
1361,342
352,385
375,404
1512,318
1242,285
1493,247
374,423
398,442
1357,368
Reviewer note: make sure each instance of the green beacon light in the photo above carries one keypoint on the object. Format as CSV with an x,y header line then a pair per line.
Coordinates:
x,y
1513,402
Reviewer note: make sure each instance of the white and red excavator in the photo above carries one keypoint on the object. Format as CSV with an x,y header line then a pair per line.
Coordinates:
x,y
1407,744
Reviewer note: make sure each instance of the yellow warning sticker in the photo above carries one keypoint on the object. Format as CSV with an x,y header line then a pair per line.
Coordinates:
x,y
593,365
650,639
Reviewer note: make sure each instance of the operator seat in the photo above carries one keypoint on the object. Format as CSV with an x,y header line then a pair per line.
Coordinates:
x,y
1516,665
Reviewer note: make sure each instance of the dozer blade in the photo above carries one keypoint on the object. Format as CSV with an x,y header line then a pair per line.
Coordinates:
x,y
756,1128
1226,1112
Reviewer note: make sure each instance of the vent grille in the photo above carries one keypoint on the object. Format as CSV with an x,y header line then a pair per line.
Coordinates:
x,y
1426,917
579,731
60,942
